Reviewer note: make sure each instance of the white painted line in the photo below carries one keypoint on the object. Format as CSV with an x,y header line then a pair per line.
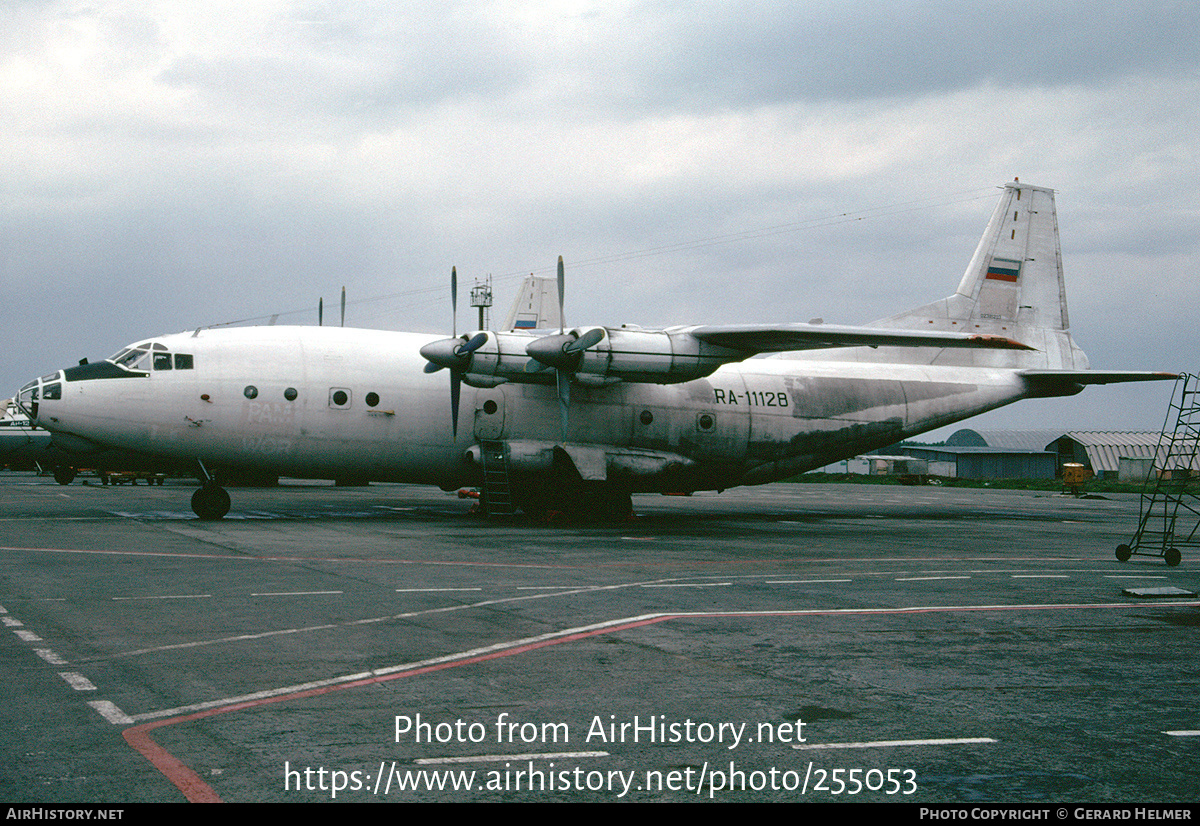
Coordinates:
x,y
1133,576
1183,733
579,630
432,590
549,587
77,681
802,581
11,622
49,656
28,636
686,584
500,758
295,593
167,596
1041,576
883,744
928,578
3,610
110,712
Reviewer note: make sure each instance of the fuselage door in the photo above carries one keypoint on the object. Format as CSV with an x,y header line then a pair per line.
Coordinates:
x,y
489,413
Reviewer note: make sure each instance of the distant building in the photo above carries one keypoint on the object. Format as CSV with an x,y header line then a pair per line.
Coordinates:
x,y
1035,454
985,462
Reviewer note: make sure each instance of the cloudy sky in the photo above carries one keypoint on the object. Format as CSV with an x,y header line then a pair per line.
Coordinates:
x,y
168,165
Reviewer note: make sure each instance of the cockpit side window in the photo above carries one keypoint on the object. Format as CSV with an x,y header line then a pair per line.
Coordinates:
x,y
162,361
132,359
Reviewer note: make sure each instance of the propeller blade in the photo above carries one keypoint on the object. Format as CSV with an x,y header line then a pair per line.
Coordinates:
x,y
343,306
455,392
562,280
589,339
564,398
454,300
471,346
432,368
320,312
535,366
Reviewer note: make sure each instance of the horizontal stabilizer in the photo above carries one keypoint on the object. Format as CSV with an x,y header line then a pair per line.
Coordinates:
x,y
1050,378
787,337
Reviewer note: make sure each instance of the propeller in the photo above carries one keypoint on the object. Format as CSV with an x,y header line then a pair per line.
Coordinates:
x,y
343,306
562,352
453,353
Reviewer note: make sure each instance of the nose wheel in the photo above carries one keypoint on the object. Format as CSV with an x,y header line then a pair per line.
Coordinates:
x,y
210,501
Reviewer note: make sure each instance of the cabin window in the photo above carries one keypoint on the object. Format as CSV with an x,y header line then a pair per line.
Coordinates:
x,y
705,422
251,392
290,394
183,361
372,399
339,398
646,418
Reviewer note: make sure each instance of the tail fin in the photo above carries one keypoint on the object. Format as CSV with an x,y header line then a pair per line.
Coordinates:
x,y
1013,287
536,306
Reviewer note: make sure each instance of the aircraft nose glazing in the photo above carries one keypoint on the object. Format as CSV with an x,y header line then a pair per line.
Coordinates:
x,y
30,396
27,398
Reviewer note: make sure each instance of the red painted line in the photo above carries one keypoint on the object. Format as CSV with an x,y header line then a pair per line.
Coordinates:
x,y
196,790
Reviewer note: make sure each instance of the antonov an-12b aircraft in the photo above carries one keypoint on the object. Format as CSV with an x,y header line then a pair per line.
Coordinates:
x,y
576,420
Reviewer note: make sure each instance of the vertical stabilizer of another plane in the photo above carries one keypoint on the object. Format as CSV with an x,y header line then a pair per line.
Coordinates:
x,y
1013,287
536,305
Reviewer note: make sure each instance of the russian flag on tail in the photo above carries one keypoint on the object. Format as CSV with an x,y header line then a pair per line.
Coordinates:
x,y
1004,269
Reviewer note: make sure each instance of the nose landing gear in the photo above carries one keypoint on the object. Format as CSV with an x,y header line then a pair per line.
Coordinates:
x,y
210,501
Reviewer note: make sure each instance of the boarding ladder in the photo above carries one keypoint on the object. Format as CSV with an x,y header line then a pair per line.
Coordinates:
x,y
1172,490
496,497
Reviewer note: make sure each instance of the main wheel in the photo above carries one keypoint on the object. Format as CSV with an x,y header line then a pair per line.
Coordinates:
x,y
211,502
64,475
1123,553
1172,556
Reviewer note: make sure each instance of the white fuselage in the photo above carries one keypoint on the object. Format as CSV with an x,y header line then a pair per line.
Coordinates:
x,y
326,402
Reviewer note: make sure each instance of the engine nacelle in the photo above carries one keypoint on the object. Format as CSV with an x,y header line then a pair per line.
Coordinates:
x,y
592,355
652,356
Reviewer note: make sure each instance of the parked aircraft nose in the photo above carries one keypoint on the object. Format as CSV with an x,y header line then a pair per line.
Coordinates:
x,y
30,396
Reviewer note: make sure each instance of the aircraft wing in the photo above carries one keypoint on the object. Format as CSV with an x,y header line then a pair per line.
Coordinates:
x,y
755,338
1068,377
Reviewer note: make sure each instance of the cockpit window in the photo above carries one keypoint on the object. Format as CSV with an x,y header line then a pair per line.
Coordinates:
x,y
149,356
131,359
